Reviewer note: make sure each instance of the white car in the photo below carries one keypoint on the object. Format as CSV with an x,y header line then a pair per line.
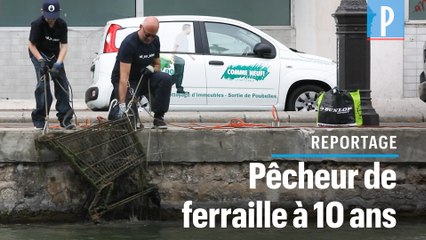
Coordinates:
x,y
228,65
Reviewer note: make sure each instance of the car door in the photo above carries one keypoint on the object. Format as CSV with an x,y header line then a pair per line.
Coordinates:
x,y
236,77
179,59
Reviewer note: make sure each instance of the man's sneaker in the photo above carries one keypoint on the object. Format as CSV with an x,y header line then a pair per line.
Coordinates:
x,y
67,125
159,123
38,125
181,91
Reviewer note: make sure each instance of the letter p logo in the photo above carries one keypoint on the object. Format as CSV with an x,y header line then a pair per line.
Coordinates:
x,y
385,19
387,16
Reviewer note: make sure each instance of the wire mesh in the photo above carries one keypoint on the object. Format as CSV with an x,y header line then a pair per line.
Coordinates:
x,y
102,153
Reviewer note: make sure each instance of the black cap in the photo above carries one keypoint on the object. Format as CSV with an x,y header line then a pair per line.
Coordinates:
x,y
51,9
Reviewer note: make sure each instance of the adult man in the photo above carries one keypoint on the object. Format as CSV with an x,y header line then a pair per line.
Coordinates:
x,y
138,59
48,46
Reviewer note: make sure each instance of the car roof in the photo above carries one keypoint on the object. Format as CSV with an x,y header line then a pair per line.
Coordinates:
x,y
136,21
127,22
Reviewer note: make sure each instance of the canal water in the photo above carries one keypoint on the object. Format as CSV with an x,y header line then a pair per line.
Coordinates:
x,y
405,230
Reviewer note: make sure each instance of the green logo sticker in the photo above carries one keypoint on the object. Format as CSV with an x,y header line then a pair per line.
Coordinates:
x,y
253,72
167,65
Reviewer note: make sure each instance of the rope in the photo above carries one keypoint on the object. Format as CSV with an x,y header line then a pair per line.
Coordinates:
x,y
233,123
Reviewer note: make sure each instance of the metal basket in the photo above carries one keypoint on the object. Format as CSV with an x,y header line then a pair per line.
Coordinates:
x,y
102,153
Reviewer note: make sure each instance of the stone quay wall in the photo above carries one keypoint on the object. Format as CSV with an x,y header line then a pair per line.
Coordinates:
x,y
212,169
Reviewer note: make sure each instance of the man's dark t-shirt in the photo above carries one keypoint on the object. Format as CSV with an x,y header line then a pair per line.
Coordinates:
x,y
138,54
46,39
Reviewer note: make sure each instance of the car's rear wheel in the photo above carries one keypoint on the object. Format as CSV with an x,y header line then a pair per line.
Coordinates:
x,y
304,98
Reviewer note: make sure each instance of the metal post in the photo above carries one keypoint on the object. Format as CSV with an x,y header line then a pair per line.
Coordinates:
x,y
353,54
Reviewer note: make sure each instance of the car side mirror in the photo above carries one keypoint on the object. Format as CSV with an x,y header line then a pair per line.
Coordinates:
x,y
263,50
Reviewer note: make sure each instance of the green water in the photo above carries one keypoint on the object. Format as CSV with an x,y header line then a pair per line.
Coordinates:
x,y
405,230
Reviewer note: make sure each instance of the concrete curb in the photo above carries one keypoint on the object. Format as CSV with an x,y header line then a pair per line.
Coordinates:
x,y
19,111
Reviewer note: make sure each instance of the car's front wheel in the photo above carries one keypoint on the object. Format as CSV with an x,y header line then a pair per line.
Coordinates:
x,y
304,98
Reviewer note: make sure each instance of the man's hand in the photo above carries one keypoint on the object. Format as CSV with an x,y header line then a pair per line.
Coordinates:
x,y
55,69
43,66
122,109
147,71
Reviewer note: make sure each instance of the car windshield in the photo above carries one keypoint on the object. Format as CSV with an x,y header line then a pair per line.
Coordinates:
x,y
225,39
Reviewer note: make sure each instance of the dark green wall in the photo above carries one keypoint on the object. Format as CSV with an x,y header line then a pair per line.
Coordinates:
x,y
97,12
254,12
75,12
